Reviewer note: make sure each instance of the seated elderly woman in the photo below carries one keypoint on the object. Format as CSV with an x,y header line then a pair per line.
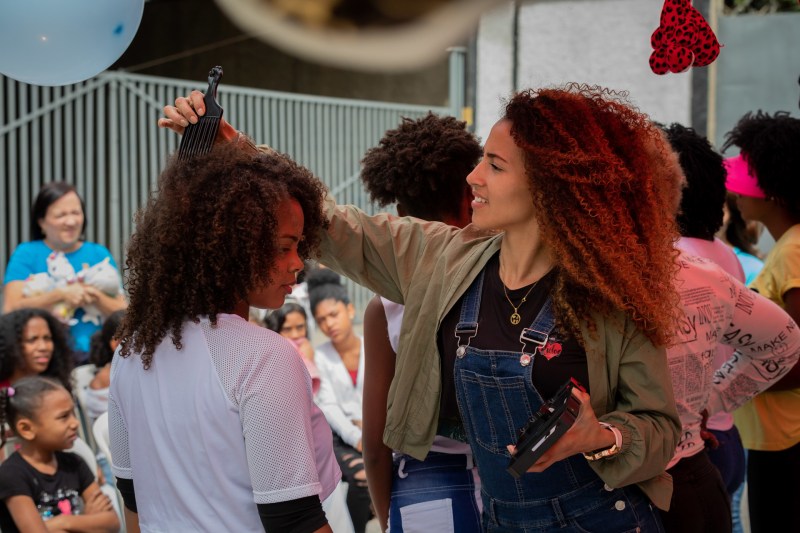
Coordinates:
x,y
77,280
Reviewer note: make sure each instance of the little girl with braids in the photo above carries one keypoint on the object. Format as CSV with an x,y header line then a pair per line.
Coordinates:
x,y
41,482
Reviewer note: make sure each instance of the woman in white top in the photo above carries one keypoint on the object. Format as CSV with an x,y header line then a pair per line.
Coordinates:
x,y
341,370
213,427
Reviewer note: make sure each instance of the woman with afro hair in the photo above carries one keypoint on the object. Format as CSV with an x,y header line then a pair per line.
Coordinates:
x,y
34,343
565,272
765,177
421,166
209,413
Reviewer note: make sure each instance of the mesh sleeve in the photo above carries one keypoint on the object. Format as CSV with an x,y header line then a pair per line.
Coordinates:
x,y
268,383
118,435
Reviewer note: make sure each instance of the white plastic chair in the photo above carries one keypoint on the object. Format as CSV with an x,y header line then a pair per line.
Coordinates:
x,y
81,377
101,435
79,447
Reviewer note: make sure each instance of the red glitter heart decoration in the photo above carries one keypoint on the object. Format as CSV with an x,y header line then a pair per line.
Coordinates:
x,y
682,40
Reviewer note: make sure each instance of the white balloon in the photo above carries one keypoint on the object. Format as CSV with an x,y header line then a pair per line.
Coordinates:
x,y
58,42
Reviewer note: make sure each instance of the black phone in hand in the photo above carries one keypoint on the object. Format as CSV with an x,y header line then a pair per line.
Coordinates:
x,y
545,427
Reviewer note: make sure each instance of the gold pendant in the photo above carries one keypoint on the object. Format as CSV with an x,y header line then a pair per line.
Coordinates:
x,y
515,318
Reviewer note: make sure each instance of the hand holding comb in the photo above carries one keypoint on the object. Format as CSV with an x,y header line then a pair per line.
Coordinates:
x,y
199,138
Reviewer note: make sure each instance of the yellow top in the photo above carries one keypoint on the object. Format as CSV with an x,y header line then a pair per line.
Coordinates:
x,y
771,420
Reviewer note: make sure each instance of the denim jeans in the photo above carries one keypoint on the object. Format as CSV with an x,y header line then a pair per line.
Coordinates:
x,y
438,494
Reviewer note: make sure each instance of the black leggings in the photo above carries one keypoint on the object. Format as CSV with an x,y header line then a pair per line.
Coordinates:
x,y
358,501
773,491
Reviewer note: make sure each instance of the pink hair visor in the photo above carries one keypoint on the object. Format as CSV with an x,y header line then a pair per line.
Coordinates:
x,y
740,180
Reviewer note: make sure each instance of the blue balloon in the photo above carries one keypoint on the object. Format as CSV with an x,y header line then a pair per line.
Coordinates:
x,y
58,42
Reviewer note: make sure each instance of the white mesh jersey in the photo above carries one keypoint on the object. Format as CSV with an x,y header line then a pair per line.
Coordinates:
x,y
215,428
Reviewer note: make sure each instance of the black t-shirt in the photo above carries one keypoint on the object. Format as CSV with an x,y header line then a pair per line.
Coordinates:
x,y
495,332
53,495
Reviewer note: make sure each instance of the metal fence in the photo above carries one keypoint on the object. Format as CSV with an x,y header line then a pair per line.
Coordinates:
x,y
101,136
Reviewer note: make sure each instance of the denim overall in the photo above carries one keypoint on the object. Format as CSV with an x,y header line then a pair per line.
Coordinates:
x,y
496,397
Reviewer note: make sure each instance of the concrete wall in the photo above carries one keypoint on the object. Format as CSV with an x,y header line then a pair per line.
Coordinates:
x,y
602,42
758,69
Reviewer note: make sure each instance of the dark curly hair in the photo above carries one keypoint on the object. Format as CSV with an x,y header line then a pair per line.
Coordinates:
x,y
423,165
100,352
207,237
700,213
769,144
12,326
276,318
325,284
608,184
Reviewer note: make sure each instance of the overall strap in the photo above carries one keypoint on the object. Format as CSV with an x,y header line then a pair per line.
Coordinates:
x,y
467,326
539,331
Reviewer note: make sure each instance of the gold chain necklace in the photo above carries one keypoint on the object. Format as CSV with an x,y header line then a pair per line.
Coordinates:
x,y
515,318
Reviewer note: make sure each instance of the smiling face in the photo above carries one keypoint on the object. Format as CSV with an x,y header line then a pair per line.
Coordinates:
x,y
37,348
287,264
54,427
62,223
500,187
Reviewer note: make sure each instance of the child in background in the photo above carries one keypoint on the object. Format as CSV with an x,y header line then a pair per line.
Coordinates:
x,y
33,342
101,351
40,482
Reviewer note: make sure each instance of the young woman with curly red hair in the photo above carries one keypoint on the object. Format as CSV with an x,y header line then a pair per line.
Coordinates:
x,y
213,426
572,207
